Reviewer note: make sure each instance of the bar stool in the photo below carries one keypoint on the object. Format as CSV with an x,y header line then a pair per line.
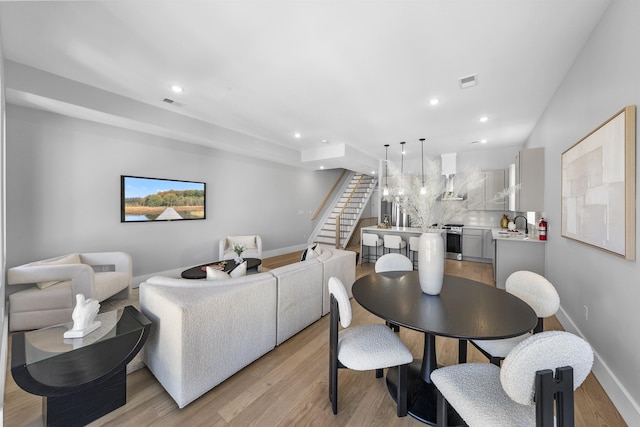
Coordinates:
x,y
394,242
369,241
414,243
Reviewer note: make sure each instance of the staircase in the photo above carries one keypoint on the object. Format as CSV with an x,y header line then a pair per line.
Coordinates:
x,y
347,211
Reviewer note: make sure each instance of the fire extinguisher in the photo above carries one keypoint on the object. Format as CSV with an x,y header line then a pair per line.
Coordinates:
x,y
542,229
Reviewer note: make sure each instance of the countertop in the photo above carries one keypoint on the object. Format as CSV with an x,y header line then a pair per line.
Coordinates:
x,y
519,236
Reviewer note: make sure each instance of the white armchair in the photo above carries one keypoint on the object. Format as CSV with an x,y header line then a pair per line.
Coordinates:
x,y
252,247
56,282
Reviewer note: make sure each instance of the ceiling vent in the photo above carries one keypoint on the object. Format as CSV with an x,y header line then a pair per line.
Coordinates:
x,y
172,102
468,81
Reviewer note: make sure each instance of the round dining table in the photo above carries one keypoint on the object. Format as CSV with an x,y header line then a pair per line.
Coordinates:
x,y
464,309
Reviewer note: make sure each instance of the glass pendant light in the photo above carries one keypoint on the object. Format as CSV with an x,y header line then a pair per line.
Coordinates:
x,y
423,189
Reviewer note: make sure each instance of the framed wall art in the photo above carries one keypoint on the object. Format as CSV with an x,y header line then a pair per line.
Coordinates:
x,y
598,186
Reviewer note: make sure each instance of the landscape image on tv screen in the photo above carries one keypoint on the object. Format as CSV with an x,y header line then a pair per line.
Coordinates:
x,y
155,199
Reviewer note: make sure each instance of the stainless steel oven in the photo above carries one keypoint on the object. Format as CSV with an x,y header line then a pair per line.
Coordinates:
x,y
453,245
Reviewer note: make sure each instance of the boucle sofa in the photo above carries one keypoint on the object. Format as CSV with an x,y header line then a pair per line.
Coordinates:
x,y
205,331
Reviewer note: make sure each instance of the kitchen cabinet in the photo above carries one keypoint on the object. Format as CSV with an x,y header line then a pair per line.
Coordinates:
x,y
472,243
488,249
515,254
482,198
495,182
529,174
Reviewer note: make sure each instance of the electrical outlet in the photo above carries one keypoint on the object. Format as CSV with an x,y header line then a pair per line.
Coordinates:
x,y
586,313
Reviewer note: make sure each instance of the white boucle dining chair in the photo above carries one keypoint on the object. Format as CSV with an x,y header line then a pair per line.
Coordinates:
x,y
539,294
524,391
393,262
363,348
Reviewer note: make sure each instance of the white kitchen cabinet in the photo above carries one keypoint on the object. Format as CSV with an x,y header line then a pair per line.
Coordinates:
x,y
514,255
529,174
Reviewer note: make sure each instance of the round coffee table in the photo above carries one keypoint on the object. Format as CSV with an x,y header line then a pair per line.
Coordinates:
x,y
200,271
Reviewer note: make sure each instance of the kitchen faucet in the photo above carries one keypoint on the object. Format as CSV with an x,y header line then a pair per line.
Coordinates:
x,y
526,223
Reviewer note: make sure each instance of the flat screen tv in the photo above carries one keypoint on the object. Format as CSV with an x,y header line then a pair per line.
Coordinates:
x,y
155,199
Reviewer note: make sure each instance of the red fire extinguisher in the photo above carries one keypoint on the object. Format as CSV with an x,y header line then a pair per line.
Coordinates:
x,y
542,229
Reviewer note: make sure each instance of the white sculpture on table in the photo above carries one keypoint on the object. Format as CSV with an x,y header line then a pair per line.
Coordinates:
x,y
83,316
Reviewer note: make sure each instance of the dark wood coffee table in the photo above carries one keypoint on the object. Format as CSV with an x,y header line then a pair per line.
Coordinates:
x,y
200,271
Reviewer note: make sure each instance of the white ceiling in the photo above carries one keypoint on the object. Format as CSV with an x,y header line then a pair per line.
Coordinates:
x,y
358,74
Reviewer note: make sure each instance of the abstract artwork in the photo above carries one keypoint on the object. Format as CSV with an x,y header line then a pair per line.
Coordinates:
x,y
598,186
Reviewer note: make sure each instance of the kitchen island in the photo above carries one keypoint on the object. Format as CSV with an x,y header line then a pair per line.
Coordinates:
x,y
516,251
404,232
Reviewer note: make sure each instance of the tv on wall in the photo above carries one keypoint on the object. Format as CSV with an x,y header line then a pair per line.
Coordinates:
x,y
155,199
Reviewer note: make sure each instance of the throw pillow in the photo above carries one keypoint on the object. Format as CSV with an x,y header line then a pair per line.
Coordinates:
x,y
249,242
309,253
67,259
213,274
239,271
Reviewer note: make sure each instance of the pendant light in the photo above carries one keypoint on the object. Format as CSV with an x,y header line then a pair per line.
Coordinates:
x,y
423,189
401,190
385,190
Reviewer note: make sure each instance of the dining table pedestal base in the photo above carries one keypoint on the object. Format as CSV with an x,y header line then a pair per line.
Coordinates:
x,y
422,397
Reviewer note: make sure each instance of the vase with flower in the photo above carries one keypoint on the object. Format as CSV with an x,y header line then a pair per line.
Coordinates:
x,y
238,249
421,198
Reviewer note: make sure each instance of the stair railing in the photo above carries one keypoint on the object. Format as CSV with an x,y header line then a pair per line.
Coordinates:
x,y
339,215
326,198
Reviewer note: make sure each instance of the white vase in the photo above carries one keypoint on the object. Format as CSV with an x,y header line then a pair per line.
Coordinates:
x,y
431,262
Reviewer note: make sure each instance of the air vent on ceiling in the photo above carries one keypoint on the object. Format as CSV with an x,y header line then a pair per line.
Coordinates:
x,y
468,81
172,102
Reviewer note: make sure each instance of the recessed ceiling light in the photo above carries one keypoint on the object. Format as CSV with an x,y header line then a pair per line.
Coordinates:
x,y
324,141
297,135
177,89
434,101
483,141
321,167
373,172
484,119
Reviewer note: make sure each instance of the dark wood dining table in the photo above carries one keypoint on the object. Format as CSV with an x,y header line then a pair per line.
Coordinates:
x,y
464,309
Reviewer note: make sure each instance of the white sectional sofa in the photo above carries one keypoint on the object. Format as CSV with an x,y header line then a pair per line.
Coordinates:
x,y
205,331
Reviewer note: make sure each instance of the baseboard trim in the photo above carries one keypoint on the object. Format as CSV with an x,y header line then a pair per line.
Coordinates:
x,y
620,397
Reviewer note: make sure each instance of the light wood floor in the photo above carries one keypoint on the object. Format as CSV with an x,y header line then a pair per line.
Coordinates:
x,y
288,386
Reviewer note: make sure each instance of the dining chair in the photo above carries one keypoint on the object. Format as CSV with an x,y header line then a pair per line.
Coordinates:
x,y
393,262
363,348
524,391
370,240
414,243
539,294
394,242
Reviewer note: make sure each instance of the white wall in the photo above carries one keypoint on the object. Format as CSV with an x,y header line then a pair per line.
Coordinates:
x,y
4,327
63,194
603,79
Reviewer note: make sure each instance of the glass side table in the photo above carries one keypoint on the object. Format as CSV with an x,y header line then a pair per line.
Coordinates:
x,y
81,379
